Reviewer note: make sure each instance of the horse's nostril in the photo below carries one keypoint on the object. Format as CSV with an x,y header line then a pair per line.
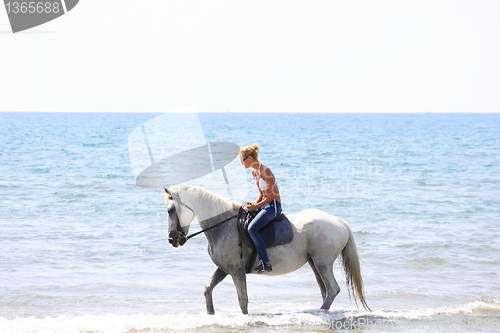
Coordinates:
x,y
170,240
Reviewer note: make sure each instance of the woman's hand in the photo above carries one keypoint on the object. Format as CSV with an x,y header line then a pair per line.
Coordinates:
x,y
251,206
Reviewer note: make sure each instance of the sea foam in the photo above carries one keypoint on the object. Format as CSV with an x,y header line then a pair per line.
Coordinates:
x,y
121,323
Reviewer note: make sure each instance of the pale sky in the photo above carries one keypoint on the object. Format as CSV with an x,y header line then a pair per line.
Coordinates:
x,y
256,56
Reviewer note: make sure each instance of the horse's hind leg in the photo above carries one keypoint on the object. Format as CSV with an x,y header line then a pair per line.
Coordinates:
x,y
331,286
318,278
217,277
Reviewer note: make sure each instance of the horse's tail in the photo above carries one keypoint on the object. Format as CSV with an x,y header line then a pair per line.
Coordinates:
x,y
350,260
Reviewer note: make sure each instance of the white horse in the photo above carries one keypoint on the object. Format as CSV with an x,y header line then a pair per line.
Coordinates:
x,y
318,238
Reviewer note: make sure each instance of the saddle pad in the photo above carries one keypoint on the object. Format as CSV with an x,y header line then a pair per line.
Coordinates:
x,y
277,232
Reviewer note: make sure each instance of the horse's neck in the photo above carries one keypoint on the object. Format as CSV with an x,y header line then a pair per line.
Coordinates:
x,y
210,220
207,220
209,211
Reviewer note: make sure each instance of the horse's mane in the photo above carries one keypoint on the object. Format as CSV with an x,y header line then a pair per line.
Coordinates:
x,y
208,200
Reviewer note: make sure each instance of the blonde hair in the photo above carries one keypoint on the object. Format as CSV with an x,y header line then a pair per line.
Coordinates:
x,y
250,151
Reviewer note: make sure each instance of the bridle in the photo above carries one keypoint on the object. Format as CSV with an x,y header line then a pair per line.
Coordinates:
x,y
172,213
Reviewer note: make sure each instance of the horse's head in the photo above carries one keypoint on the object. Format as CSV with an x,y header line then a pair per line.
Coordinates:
x,y
180,216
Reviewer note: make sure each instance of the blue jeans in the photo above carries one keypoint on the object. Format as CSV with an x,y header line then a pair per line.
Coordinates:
x,y
266,214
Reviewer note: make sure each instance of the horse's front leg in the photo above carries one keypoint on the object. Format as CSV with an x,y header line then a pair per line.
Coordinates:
x,y
217,277
240,282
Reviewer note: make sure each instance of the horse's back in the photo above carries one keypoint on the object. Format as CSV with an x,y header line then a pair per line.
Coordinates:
x,y
322,229
316,218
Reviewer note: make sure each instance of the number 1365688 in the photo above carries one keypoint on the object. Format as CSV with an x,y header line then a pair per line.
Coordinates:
x,y
33,7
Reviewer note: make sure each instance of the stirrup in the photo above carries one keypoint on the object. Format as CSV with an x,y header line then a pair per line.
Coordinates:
x,y
263,267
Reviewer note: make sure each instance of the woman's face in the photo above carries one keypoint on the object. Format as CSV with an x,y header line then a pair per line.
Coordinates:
x,y
246,161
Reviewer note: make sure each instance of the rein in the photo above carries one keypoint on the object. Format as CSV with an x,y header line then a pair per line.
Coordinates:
x,y
214,226
176,197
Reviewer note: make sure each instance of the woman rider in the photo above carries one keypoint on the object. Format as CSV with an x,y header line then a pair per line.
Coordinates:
x,y
268,201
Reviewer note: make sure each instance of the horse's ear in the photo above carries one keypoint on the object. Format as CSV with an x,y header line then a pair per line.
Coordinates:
x,y
168,192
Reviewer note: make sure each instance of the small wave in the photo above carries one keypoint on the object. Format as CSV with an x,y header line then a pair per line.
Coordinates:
x,y
41,170
472,308
425,183
309,320
113,323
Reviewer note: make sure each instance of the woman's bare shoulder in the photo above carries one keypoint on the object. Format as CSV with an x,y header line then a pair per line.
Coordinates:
x,y
266,171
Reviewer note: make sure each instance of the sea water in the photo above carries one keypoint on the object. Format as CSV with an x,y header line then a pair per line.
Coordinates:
x,y
84,249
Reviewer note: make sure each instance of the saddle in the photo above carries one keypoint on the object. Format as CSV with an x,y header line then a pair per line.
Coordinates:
x,y
277,232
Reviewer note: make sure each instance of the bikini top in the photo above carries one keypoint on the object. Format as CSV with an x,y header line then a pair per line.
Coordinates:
x,y
262,183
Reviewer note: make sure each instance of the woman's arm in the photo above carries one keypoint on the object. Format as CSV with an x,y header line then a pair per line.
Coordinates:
x,y
253,205
268,177
259,197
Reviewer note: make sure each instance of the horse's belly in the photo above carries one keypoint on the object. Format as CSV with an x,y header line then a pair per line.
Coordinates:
x,y
287,258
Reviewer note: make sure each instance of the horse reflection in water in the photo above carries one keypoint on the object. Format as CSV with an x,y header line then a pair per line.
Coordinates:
x,y
318,238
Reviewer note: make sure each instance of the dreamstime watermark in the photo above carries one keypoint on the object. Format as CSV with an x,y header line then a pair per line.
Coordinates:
x,y
395,325
171,149
25,15
316,181
436,324
337,171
